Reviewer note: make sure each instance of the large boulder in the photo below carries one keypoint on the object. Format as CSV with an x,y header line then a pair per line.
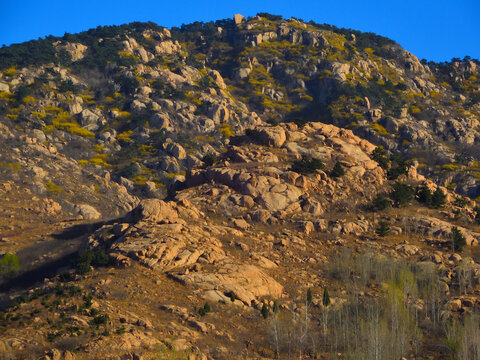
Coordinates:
x,y
271,136
160,121
75,50
242,73
274,200
167,47
87,117
75,108
238,19
218,79
154,210
219,113
87,212
4,87
245,282
39,135
176,150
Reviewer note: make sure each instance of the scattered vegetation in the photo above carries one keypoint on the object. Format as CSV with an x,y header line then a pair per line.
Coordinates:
x,y
89,258
458,239
337,170
307,165
9,263
205,309
401,194
209,159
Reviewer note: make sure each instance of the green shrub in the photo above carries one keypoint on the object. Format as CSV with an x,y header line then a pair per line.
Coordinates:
x,y
100,319
67,85
438,198
87,301
192,61
398,167
205,309
88,258
270,16
9,263
128,85
307,165
460,202
131,170
53,335
380,156
275,307
309,297
380,202
401,194
424,195
337,170
209,159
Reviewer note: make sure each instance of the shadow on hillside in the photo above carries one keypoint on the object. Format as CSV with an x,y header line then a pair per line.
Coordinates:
x,y
78,230
46,259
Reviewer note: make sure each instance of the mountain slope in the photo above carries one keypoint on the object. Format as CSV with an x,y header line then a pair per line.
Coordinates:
x,y
220,191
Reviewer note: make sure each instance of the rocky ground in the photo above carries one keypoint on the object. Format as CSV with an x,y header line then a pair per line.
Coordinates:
x,y
242,233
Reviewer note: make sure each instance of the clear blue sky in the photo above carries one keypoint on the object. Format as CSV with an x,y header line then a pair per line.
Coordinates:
x,y
436,30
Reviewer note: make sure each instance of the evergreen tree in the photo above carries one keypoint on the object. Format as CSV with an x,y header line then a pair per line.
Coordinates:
x,y
424,195
458,239
383,229
398,167
380,202
309,297
265,312
275,307
438,198
307,165
326,298
401,194
209,159
380,156
337,170
207,307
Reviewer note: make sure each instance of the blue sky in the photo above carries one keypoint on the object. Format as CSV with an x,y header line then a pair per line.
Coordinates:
x,y
435,30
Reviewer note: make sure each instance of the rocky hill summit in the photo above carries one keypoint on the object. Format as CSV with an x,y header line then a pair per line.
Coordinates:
x,y
241,189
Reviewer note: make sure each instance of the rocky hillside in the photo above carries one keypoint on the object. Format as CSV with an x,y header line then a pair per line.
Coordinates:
x,y
244,189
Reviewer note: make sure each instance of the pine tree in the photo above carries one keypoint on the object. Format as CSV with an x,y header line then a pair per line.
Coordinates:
x,y
458,239
424,195
401,193
438,198
265,312
380,156
309,297
326,303
207,307
383,229
380,202
337,170
326,298
275,307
